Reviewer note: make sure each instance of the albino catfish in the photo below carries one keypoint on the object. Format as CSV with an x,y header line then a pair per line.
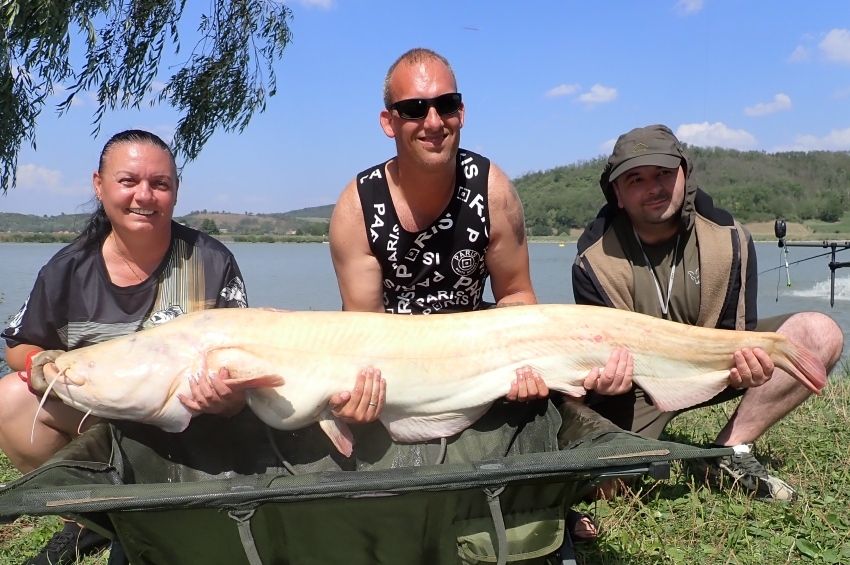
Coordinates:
x,y
442,372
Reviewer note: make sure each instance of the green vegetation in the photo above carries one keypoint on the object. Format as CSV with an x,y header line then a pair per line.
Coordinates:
x,y
220,83
682,520
27,223
257,227
280,238
37,237
811,188
209,226
287,227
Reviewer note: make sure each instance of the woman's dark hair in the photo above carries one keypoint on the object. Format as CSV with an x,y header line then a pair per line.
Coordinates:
x,y
99,226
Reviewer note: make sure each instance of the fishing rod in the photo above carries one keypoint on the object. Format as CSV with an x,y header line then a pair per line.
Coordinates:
x,y
780,230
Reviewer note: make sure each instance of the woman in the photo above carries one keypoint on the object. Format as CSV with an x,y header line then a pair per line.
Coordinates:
x,y
132,267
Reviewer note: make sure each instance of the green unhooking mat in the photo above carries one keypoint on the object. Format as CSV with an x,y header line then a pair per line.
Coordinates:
x,y
233,491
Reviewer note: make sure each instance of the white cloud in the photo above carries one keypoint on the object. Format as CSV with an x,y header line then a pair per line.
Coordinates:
x,y
686,7
717,134
608,147
598,94
841,93
836,45
799,54
836,140
779,103
323,4
35,178
562,90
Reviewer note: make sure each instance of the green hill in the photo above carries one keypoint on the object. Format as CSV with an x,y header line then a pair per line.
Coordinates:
x,y
804,187
282,224
754,186
16,223
305,222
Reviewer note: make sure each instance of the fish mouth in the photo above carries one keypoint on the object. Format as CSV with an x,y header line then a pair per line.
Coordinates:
x,y
42,369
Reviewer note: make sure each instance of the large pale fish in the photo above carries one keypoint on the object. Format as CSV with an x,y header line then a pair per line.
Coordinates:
x,y
442,372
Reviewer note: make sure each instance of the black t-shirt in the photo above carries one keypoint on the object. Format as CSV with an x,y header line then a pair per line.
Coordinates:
x,y
74,304
441,268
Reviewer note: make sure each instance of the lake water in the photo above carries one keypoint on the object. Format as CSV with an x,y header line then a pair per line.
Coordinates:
x,y
300,276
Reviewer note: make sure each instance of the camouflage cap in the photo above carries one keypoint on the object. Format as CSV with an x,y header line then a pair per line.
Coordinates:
x,y
650,145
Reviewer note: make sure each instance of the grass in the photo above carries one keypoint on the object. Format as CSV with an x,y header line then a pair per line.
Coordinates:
x,y
682,520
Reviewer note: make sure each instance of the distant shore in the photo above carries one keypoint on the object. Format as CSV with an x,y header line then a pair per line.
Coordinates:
x,y
64,237
761,231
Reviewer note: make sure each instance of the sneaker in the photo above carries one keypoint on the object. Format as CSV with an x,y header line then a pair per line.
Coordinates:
x,y
745,470
68,545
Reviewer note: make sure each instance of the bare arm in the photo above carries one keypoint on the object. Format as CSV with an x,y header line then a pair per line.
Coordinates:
x,y
358,275
16,357
507,256
358,272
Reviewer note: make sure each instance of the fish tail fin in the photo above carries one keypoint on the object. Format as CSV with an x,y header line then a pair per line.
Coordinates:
x,y
801,364
338,432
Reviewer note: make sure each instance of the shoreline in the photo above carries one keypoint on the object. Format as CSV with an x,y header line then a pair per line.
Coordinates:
x,y
762,232
812,240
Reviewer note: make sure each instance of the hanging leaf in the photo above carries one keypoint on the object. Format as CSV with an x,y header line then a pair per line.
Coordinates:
x,y
223,82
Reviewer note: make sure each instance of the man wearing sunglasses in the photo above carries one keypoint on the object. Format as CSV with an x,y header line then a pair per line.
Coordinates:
x,y
421,232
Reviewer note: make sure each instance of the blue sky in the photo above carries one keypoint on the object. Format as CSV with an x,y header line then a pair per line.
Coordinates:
x,y
545,84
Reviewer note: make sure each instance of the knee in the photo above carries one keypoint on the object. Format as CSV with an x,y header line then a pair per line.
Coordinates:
x,y
15,395
818,333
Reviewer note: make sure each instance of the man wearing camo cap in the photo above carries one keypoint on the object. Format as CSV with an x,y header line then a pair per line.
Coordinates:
x,y
660,247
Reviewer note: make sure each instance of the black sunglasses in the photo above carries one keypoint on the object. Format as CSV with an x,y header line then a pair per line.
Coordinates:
x,y
418,108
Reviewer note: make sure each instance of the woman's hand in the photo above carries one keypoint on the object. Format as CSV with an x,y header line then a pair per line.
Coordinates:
x,y
213,395
365,402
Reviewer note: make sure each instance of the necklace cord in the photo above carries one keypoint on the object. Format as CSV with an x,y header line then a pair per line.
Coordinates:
x,y
664,303
124,258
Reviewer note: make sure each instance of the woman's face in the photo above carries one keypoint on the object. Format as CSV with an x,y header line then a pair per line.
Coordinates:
x,y
137,185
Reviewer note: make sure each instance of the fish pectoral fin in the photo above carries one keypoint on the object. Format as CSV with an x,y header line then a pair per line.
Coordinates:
x,y
338,432
263,381
413,429
675,393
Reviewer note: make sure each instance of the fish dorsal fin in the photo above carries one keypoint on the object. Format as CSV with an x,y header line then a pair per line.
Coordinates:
x,y
412,429
689,390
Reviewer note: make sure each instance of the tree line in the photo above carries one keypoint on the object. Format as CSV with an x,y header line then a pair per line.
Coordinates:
x,y
752,185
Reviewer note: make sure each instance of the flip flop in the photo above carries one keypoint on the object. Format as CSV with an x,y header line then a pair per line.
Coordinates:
x,y
577,525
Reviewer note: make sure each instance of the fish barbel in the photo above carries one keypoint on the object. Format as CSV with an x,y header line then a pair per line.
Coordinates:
x,y
442,372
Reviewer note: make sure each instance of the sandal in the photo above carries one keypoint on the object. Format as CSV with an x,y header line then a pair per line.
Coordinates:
x,y
582,527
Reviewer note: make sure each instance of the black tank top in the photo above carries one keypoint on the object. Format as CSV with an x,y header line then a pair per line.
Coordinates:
x,y
439,269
